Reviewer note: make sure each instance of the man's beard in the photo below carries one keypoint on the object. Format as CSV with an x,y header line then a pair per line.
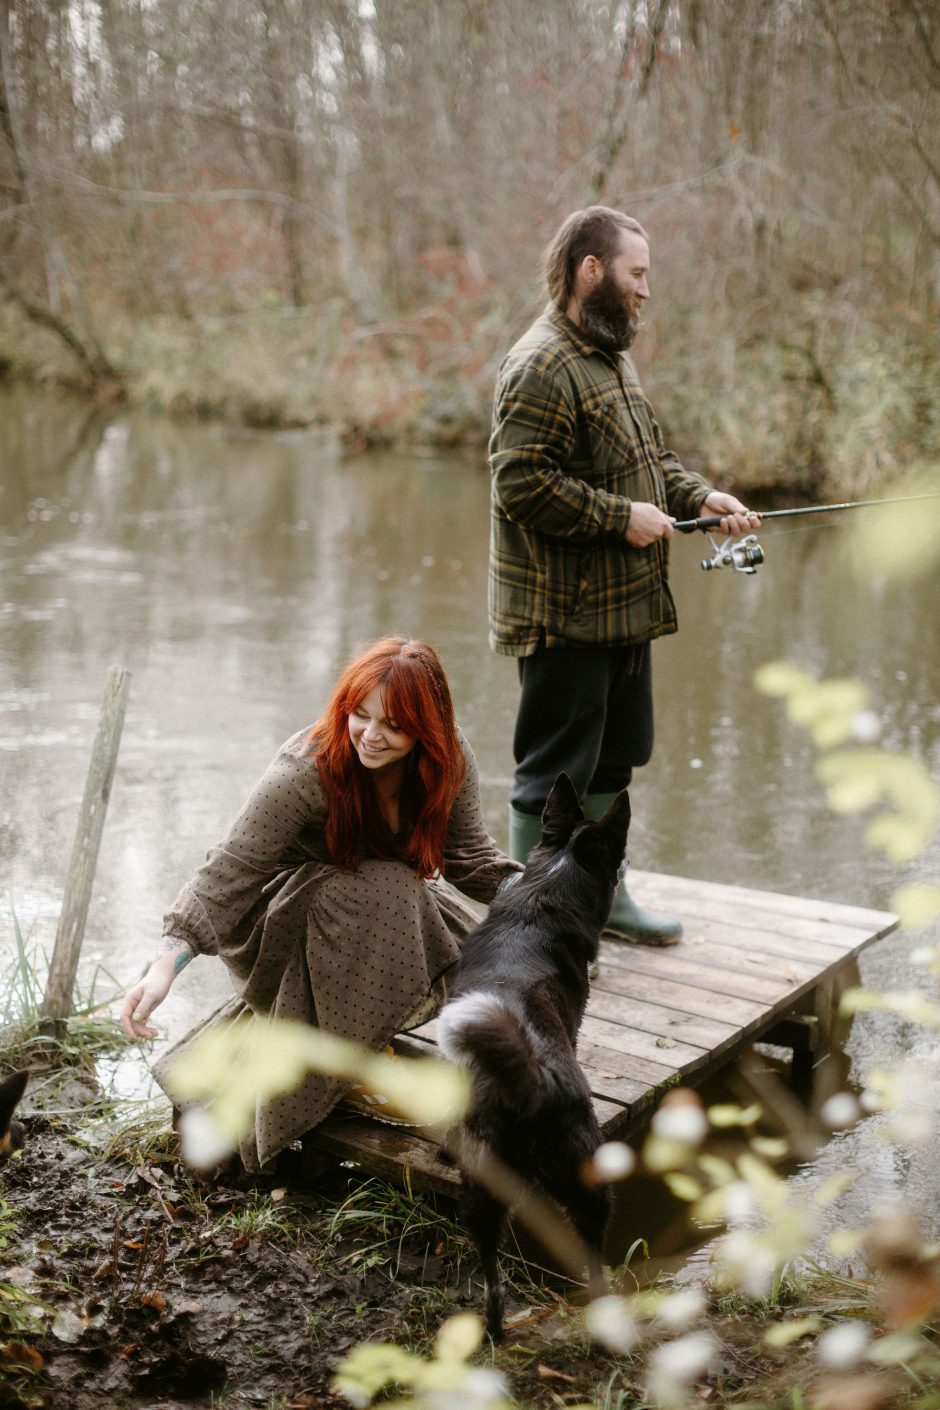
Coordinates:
x,y
609,317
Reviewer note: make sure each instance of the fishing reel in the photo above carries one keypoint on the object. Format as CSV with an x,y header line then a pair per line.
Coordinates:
x,y
743,555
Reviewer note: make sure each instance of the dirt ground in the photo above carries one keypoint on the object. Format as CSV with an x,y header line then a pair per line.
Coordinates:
x,y
159,1292
125,1284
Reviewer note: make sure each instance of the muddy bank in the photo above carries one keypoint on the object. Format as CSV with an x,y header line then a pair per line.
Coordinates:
x,y
125,1283
156,1290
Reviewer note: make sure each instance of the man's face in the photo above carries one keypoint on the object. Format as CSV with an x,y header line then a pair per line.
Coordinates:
x,y
610,310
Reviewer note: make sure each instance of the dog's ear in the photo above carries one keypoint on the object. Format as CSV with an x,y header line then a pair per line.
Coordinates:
x,y
608,836
561,813
11,1090
617,817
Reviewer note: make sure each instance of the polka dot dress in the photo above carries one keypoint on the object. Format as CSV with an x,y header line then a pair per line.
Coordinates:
x,y
355,953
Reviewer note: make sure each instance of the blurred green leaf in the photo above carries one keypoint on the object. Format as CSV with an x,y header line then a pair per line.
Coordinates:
x,y
900,541
233,1067
785,1333
857,779
917,903
781,678
459,1337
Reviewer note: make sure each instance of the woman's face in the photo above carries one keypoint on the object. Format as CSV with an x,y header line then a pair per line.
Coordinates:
x,y
377,740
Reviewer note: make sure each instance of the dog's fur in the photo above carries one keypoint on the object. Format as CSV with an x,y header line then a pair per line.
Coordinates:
x,y
513,1019
11,1132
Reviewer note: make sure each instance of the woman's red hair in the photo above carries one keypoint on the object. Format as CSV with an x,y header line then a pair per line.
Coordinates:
x,y
417,697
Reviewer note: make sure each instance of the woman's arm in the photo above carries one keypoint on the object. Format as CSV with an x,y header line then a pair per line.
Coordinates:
x,y
472,861
264,839
139,1003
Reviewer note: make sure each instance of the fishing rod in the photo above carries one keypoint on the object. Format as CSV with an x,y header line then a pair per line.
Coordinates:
x,y
745,554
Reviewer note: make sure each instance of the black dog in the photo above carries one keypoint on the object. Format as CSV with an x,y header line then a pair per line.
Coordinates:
x,y
513,1019
11,1132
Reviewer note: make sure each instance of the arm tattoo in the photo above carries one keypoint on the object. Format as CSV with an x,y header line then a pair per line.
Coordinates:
x,y
186,953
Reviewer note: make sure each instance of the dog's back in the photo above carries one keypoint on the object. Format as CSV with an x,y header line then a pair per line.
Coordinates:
x,y
513,1019
11,1132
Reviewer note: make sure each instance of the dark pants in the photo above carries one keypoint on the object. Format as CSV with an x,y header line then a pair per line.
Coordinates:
x,y
588,712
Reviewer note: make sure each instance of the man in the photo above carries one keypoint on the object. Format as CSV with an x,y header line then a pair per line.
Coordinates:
x,y
584,498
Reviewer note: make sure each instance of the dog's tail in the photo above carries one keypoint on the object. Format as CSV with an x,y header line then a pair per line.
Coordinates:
x,y
479,1032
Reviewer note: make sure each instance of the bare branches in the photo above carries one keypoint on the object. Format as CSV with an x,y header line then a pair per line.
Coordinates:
x,y
630,85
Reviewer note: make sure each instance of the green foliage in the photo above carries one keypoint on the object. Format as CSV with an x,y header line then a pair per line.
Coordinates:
x,y
233,1067
836,712
88,1035
444,1378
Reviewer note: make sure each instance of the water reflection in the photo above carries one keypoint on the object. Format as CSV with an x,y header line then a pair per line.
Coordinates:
x,y
234,574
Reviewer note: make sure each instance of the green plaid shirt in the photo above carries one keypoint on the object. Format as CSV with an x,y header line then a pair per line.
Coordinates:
x,y
574,441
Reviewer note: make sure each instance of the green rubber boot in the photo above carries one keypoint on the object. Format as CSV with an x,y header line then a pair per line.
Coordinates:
x,y
628,921
525,830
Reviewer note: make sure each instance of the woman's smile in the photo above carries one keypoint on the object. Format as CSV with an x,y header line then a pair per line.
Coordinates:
x,y
377,740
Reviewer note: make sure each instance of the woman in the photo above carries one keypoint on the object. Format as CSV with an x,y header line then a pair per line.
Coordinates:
x,y
324,899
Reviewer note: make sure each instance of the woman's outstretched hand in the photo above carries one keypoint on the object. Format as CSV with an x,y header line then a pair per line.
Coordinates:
x,y
140,1002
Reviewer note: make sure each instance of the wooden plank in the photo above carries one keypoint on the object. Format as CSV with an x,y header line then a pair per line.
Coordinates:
x,y
607,1112
663,1021
623,1091
686,997
712,918
387,1150
753,939
835,941
628,1066
687,892
726,960
670,1052
763,1016
684,963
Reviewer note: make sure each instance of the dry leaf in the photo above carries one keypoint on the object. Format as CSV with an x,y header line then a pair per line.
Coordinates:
x,y
14,1353
858,1392
547,1373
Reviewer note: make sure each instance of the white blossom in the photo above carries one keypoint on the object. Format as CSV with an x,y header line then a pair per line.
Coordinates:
x,y
203,1142
480,1388
843,1346
610,1321
675,1364
866,726
740,1205
681,1121
840,1111
681,1309
613,1161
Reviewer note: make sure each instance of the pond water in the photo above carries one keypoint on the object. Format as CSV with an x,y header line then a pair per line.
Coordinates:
x,y
233,574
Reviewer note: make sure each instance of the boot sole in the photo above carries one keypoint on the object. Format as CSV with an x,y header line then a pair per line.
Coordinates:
x,y
653,941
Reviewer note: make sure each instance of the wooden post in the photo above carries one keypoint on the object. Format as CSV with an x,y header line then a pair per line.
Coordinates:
x,y
57,1002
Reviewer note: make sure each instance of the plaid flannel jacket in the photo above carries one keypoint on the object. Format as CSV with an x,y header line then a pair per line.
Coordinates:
x,y
574,441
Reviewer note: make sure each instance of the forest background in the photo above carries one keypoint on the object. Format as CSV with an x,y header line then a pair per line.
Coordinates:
x,y
303,212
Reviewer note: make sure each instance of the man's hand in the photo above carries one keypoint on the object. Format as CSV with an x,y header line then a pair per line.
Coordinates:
x,y
647,524
735,518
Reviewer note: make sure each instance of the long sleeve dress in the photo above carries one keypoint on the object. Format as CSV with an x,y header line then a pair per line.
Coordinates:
x,y
361,954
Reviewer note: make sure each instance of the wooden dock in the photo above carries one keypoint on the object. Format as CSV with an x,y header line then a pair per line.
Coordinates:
x,y
752,966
